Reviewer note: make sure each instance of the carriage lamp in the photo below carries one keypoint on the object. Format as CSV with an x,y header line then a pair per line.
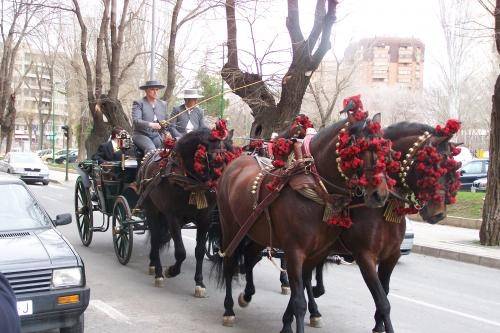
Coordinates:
x,y
67,277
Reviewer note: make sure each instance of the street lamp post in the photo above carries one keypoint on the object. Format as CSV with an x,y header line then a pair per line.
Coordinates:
x,y
52,88
65,128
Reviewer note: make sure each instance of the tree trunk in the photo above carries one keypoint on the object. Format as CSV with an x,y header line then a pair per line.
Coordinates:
x,y
30,132
489,234
112,109
490,227
8,124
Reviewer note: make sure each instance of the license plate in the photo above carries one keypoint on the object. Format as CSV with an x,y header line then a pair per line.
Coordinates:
x,y
25,308
34,174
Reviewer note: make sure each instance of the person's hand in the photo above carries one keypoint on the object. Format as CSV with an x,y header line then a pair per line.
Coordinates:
x,y
155,126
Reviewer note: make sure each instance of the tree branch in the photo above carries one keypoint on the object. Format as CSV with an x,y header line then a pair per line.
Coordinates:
x,y
293,23
324,45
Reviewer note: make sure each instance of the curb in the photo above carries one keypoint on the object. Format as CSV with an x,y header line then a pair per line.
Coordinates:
x,y
457,256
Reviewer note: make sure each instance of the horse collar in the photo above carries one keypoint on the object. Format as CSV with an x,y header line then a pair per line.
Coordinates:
x,y
409,158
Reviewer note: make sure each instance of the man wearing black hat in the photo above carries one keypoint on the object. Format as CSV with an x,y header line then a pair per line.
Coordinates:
x,y
146,115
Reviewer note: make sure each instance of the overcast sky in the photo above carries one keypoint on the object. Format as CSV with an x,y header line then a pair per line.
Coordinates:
x,y
356,19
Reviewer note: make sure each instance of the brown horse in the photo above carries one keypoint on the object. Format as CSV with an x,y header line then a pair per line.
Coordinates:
x,y
376,234
293,222
180,193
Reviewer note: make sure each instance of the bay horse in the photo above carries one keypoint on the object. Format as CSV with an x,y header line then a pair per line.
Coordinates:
x,y
428,180
181,192
293,222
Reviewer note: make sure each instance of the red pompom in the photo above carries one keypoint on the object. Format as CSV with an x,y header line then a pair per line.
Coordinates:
x,y
452,126
220,131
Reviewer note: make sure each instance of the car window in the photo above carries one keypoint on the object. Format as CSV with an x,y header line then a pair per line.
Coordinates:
x,y
19,210
473,167
486,166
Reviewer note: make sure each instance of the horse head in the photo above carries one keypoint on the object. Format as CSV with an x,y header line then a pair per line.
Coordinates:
x,y
363,158
205,153
428,174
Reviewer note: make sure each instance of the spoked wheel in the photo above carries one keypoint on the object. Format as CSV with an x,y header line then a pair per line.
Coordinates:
x,y
123,232
83,212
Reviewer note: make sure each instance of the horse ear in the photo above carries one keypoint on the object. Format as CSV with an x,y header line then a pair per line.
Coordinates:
x,y
230,135
377,118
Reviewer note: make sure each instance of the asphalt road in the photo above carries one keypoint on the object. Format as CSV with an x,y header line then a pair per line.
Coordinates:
x,y
427,294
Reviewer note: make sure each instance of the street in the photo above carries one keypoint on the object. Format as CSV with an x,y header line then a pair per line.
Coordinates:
x,y
427,294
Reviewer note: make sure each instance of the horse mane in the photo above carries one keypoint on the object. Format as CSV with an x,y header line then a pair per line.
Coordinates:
x,y
187,145
406,128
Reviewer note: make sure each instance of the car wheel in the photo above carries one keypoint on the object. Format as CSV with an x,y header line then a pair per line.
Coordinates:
x,y
77,328
45,182
49,160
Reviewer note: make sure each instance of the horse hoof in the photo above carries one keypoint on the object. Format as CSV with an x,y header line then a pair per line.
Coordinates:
x,y
159,282
228,321
316,322
151,270
285,290
241,301
200,292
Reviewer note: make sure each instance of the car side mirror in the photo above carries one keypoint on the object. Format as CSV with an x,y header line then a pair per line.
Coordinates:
x,y
462,172
63,219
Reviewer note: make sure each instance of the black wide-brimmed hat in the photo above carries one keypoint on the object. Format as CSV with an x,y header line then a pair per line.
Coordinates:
x,y
152,84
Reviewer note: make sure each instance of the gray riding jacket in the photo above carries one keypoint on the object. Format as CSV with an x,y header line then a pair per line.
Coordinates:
x,y
143,113
178,124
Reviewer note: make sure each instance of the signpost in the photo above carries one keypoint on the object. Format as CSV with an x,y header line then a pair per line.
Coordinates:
x,y
65,128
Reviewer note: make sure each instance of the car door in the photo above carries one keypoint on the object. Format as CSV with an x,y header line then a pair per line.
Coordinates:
x,y
470,172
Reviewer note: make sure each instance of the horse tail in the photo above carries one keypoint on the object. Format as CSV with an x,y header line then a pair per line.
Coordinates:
x,y
219,262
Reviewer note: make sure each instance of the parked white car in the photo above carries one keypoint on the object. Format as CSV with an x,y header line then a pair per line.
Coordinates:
x,y
28,166
407,243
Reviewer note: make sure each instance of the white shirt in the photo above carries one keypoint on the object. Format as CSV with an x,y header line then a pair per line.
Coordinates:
x,y
189,126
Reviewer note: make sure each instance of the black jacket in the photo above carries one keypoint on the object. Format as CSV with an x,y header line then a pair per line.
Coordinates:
x,y
9,319
105,152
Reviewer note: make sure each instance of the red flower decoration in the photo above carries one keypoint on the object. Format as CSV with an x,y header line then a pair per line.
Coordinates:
x,y
256,143
452,126
353,106
302,121
219,132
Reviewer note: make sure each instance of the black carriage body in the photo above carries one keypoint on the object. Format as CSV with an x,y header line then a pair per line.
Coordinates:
x,y
110,189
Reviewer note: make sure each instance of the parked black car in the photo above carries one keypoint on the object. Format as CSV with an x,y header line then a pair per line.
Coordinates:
x,y
472,171
44,270
72,156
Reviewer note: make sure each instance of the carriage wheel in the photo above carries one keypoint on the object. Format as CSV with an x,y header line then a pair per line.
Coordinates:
x,y
83,212
123,232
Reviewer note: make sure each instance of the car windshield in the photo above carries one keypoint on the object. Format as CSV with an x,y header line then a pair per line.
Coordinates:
x,y
24,158
19,210
473,167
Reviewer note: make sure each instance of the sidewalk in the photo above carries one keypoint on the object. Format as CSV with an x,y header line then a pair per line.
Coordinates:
x,y
56,176
454,243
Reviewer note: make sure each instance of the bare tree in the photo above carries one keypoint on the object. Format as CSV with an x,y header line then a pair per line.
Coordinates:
x,y
328,83
17,20
306,57
490,227
202,6
105,107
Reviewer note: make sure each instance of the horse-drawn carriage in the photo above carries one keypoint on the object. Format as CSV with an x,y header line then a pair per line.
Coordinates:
x,y
110,188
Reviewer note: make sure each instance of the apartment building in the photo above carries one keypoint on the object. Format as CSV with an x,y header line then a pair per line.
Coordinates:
x,y
388,61
34,95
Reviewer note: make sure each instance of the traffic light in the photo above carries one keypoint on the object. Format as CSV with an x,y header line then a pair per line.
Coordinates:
x,y
65,128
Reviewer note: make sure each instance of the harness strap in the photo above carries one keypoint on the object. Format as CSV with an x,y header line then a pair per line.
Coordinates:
x,y
250,221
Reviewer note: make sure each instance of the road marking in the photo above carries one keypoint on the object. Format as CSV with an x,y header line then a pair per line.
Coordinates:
x,y
109,311
437,307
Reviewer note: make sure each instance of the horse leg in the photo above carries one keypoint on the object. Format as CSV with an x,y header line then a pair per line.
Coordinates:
x,y
319,288
297,305
229,267
199,252
179,250
285,284
315,316
385,269
154,254
252,255
367,266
